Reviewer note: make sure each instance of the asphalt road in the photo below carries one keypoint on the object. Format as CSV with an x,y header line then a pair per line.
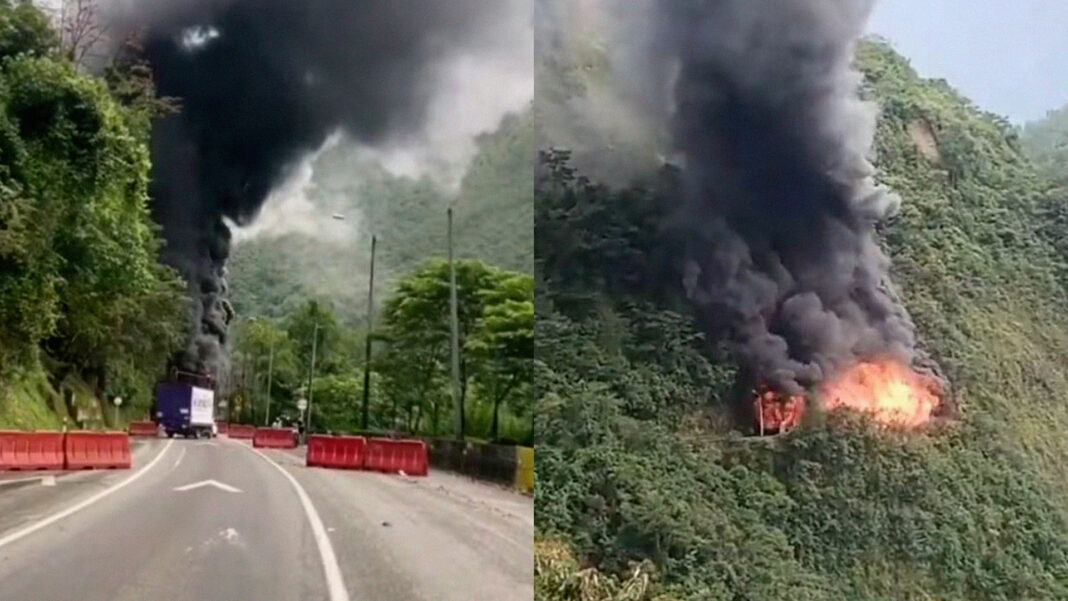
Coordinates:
x,y
260,526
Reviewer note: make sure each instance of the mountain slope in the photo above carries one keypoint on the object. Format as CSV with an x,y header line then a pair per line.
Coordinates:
x,y
492,222
1046,142
638,461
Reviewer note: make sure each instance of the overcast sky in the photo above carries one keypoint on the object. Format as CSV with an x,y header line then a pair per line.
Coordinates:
x,y
1009,56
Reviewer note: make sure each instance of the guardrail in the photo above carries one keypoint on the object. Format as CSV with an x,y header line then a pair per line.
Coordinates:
x,y
392,456
96,450
275,438
241,431
339,452
77,450
504,464
143,429
31,450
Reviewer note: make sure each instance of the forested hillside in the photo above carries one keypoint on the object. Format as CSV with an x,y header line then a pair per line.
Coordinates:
x,y
647,488
1046,143
86,311
283,286
492,216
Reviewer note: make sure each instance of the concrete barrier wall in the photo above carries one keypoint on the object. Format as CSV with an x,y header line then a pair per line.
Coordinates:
x,y
494,463
524,473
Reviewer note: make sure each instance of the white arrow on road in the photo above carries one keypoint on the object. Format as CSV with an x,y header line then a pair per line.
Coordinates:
x,y
214,483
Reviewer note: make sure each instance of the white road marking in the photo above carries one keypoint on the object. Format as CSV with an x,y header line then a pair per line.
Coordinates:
x,y
179,460
334,582
214,483
14,536
45,480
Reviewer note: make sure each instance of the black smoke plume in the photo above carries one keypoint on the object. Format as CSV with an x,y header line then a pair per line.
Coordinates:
x,y
260,83
776,139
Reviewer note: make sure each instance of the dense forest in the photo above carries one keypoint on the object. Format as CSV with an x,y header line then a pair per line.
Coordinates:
x,y
648,489
87,313
1046,143
283,285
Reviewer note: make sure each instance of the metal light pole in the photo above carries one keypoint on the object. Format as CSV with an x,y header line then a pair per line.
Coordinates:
x,y
367,350
456,398
311,379
270,373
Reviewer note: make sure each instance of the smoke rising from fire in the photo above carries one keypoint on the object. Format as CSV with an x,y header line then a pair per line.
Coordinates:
x,y
776,140
761,108
263,83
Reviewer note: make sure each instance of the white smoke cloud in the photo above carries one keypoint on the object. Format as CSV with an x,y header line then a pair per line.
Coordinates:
x,y
295,207
472,92
600,94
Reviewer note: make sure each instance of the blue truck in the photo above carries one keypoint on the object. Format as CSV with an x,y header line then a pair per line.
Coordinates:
x,y
186,408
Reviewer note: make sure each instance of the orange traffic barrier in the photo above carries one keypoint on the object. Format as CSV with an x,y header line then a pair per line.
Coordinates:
x,y
222,426
275,438
388,455
143,429
240,431
31,450
342,452
93,450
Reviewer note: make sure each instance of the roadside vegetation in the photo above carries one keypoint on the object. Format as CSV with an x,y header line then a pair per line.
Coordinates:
x,y
284,284
87,313
641,464
410,385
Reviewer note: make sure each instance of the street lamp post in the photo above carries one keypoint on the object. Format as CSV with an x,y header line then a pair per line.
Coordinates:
x,y
311,379
270,373
118,403
457,396
367,350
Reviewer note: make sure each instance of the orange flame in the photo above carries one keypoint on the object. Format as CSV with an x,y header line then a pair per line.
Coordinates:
x,y
891,392
776,412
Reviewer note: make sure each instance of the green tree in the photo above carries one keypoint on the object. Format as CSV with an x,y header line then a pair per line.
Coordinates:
x,y
81,292
417,325
503,344
26,31
313,326
336,401
269,352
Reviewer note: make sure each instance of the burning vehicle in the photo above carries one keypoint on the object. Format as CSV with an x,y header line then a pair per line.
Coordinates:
x,y
774,412
781,207
890,392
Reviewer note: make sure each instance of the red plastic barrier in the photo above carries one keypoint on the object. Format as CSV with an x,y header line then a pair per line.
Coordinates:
x,y
387,455
342,452
222,426
240,431
31,450
93,450
275,438
143,429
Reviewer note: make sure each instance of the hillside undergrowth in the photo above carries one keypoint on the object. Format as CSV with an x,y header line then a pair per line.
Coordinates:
x,y
638,460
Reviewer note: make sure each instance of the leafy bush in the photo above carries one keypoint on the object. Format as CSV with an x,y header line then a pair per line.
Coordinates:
x,y
81,292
